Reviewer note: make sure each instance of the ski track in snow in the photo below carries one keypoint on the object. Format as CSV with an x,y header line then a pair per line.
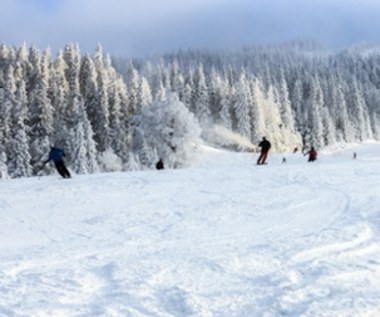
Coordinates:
x,y
225,238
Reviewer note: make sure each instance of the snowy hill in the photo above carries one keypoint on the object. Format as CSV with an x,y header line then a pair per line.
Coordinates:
x,y
224,238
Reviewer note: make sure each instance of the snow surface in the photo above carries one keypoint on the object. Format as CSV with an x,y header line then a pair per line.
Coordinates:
x,y
224,238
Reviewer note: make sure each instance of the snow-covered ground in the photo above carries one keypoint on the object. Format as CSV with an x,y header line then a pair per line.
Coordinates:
x,y
224,238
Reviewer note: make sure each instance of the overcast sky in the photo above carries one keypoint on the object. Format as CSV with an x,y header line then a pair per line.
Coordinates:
x,y
141,27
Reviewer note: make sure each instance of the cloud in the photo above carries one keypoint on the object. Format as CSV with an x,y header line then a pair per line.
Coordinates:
x,y
136,28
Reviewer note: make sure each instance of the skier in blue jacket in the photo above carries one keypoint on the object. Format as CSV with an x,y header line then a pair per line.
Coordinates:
x,y
56,155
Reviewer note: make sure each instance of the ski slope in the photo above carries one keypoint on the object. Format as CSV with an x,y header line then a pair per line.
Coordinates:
x,y
224,238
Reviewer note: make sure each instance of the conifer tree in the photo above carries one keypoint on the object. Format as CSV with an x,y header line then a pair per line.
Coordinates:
x,y
167,131
144,94
285,106
19,156
241,108
59,99
343,124
314,136
329,131
133,85
4,131
118,130
296,100
273,123
215,93
100,121
188,93
257,111
176,80
225,106
7,101
358,112
3,163
201,99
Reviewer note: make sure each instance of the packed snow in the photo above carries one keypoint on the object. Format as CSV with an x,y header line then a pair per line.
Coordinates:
x,y
223,238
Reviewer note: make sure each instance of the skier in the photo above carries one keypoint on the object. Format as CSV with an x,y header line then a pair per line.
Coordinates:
x,y
312,154
160,165
56,155
265,147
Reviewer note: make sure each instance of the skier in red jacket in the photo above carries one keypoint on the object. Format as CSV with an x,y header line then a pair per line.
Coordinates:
x,y
312,154
265,147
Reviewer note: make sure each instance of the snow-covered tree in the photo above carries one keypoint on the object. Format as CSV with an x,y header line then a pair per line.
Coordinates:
x,y
358,111
7,101
201,99
133,85
241,108
82,146
100,120
168,131
19,156
59,99
314,136
344,128
225,105
257,111
144,94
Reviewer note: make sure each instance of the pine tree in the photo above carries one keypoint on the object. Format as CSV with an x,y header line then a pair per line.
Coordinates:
x,y
59,100
225,106
81,144
176,81
188,94
3,164
201,99
329,131
100,122
125,124
215,93
19,157
4,133
133,89
358,112
297,105
273,123
314,115
118,130
257,111
285,105
7,101
241,108
167,131
345,131
144,94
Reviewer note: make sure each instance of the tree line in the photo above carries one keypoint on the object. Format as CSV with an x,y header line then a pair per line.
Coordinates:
x,y
124,114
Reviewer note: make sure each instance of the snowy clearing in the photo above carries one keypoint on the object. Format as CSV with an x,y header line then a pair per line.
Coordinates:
x,y
224,238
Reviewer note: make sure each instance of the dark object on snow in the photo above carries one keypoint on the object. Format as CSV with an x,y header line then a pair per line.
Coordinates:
x,y
284,160
265,147
354,156
56,155
160,165
312,154
295,150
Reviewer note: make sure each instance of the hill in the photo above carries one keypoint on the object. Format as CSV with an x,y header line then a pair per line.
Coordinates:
x,y
223,238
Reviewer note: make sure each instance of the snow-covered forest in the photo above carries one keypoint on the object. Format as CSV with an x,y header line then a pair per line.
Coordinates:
x,y
114,114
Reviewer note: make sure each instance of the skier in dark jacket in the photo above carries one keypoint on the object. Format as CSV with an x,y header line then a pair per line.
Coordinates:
x,y
312,154
56,155
265,147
